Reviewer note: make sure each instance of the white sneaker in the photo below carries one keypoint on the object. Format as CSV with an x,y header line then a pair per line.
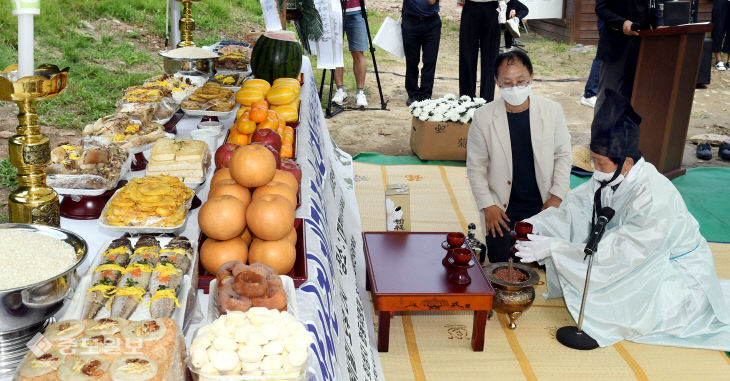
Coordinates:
x,y
361,100
513,26
590,102
720,66
340,97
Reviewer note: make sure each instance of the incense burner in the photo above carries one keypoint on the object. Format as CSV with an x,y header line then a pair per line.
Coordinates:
x,y
32,202
512,298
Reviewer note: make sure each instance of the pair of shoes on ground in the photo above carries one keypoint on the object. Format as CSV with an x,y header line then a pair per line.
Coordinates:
x,y
414,99
341,97
722,66
590,102
704,151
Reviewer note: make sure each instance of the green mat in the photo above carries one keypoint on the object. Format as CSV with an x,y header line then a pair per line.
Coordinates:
x,y
705,191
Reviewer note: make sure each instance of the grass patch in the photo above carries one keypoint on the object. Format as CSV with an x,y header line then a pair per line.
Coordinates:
x,y
8,174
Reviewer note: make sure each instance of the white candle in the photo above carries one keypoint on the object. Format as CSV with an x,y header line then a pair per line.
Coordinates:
x,y
25,45
25,10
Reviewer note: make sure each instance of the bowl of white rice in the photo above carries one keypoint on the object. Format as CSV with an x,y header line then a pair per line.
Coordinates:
x,y
37,273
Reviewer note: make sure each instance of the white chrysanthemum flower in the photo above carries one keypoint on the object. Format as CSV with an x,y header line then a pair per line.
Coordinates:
x,y
465,119
465,98
460,109
423,117
480,101
470,113
437,118
449,96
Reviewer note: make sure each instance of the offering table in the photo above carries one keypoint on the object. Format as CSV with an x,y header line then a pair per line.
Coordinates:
x,y
405,273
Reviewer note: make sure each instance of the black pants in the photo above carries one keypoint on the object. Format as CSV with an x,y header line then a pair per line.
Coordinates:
x,y
619,75
721,26
479,31
420,34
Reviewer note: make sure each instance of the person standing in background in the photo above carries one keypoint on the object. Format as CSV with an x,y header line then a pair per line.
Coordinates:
x,y
421,29
478,31
517,11
590,93
618,44
720,30
358,42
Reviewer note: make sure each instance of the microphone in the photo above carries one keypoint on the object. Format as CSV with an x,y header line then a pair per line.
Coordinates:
x,y
604,215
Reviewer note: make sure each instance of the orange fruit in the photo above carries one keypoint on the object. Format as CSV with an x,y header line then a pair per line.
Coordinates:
x,y
257,114
240,139
245,126
267,124
287,151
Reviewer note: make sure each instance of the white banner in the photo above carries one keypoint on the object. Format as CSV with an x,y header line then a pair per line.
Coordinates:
x,y
333,302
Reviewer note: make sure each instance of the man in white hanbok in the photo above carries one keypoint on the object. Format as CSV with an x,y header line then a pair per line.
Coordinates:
x,y
653,278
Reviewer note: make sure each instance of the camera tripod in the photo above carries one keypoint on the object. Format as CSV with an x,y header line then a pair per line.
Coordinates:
x,y
383,103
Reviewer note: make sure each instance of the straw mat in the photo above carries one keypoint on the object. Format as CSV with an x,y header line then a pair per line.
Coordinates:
x,y
436,346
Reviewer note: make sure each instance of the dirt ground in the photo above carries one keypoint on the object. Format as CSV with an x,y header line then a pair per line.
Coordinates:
x,y
560,75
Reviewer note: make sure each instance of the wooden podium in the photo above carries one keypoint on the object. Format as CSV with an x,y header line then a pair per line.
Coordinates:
x,y
664,88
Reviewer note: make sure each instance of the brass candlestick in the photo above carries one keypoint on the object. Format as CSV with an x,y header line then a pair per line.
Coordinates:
x,y
32,202
186,24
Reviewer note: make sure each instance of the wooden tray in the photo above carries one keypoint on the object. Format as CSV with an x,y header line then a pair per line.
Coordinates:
x,y
298,273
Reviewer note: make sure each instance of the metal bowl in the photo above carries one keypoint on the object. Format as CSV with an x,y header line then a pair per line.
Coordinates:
x,y
203,67
25,307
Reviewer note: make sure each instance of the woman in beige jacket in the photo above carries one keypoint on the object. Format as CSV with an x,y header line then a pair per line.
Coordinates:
x,y
518,154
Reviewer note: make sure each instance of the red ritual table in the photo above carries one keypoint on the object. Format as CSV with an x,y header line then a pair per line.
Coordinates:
x,y
404,273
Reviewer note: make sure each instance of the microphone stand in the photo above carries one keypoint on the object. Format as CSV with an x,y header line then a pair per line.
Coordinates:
x,y
574,337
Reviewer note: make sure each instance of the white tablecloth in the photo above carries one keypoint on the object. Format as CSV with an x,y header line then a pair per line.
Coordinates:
x,y
332,303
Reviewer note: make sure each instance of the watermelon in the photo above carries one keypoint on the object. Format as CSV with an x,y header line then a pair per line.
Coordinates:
x,y
276,55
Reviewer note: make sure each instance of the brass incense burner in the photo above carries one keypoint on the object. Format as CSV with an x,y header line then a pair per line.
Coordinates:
x,y
512,298
186,24
32,202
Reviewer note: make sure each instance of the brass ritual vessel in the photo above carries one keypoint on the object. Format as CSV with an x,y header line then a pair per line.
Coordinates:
x,y
32,202
186,24
512,298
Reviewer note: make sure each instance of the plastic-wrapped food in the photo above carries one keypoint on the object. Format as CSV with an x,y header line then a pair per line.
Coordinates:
x,y
151,350
76,167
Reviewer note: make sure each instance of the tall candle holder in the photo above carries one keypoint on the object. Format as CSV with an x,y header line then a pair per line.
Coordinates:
x,y
186,24
32,201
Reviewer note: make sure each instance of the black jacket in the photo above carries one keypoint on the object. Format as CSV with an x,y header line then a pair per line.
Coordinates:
x,y
612,40
520,9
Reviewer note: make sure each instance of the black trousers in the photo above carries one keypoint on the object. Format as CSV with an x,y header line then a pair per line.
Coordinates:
x,y
420,34
619,75
721,26
479,31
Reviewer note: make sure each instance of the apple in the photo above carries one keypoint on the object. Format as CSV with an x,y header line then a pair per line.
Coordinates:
x,y
290,165
274,152
223,154
267,136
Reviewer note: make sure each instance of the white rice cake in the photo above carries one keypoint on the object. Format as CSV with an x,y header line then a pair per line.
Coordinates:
x,y
167,150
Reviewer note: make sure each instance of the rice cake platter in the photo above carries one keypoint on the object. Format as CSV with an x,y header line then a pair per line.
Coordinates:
x,y
91,284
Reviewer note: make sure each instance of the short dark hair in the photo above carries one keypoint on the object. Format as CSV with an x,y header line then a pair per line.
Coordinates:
x,y
511,57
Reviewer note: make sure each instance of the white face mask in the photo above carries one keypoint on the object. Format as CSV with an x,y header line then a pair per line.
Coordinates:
x,y
515,95
606,176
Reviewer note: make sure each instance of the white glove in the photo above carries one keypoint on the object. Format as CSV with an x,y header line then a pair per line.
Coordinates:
x,y
536,249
